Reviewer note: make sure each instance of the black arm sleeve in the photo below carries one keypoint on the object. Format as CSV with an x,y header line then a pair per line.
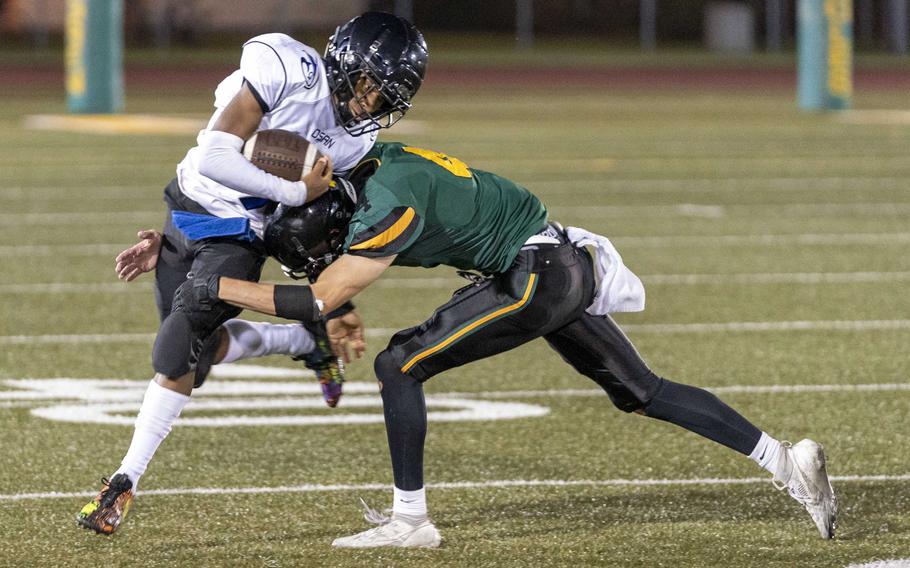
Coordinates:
x,y
296,303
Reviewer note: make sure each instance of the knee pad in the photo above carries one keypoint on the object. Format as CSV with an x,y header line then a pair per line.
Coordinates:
x,y
626,393
173,346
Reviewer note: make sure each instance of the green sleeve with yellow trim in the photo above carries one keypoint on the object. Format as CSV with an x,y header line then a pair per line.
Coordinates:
x,y
383,224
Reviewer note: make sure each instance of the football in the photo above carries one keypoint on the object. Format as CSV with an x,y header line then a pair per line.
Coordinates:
x,y
282,153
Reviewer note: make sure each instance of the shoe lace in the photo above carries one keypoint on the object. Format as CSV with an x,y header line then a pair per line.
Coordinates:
x,y
112,490
781,482
108,494
373,516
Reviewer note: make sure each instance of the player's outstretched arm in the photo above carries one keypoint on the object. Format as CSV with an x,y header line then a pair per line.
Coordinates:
x,y
340,282
140,258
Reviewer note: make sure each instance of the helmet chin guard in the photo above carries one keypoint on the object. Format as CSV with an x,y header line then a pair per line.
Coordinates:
x,y
387,50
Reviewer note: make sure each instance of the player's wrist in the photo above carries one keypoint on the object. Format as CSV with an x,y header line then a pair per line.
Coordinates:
x,y
294,193
341,310
296,303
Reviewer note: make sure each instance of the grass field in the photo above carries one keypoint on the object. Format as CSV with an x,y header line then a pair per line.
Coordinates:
x,y
773,248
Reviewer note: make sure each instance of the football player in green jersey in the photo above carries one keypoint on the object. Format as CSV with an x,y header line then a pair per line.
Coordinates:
x,y
420,208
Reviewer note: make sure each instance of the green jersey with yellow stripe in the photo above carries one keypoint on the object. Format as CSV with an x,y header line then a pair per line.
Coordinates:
x,y
429,209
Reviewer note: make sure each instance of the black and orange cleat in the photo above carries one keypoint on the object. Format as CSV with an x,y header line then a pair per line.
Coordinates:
x,y
108,509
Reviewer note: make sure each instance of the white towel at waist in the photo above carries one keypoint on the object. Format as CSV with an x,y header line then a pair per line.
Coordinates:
x,y
619,289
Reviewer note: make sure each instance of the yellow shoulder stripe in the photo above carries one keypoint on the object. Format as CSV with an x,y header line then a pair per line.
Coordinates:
x,y
389,234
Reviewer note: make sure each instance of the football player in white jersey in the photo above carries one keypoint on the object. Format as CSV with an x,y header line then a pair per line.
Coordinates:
x,y
372,68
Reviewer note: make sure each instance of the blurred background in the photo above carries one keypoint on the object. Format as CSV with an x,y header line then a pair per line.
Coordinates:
x,y
764,25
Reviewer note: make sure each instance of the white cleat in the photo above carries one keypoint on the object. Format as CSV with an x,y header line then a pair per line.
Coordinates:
x,y
802,472
394,532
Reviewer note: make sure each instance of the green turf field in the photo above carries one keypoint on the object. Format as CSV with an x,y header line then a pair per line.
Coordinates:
x,y
773,246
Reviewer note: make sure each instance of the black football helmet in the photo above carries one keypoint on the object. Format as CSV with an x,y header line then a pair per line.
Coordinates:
x,y
307,238
389,51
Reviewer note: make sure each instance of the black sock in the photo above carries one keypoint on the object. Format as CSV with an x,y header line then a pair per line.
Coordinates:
x,y
405,421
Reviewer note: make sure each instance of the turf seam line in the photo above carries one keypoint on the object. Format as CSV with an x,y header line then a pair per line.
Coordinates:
x,y
505,483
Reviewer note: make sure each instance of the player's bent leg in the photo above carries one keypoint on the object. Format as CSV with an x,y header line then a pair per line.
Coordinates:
x,y
597,348
406,427
249,339
546,288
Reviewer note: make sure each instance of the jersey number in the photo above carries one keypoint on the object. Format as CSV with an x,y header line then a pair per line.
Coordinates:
x,y
454,165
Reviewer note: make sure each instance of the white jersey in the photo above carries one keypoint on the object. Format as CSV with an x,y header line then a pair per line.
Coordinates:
x,y
289,81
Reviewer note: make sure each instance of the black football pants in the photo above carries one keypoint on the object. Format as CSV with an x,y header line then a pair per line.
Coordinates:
x,y
178,348
544,294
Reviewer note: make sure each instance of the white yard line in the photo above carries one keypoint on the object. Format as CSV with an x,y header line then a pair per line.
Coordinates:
x,y
892,563
454,282
655,328
493,484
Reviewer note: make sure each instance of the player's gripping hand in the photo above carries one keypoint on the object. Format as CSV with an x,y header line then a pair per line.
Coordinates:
x,y
318,179
139,258
346,336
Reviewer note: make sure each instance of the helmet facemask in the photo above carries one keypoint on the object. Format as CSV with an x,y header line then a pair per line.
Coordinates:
x,y
374,53
309,264
358,78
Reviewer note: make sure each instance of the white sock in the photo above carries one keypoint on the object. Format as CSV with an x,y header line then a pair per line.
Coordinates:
x,y
411,504
255,339
160,409
766,452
